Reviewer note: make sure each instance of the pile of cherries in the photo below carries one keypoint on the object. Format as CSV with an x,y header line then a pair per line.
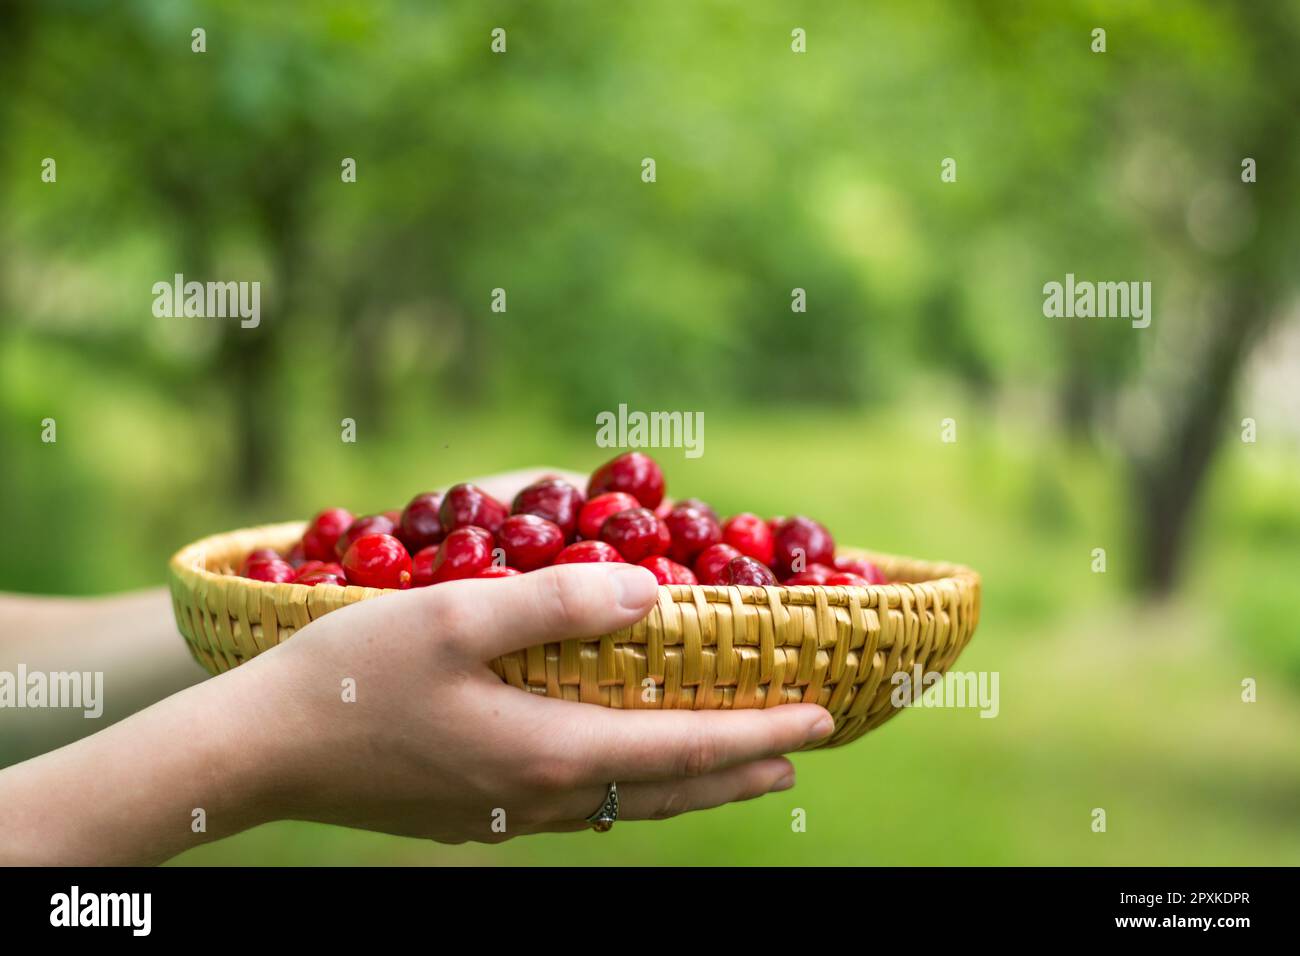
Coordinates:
x,y
622,517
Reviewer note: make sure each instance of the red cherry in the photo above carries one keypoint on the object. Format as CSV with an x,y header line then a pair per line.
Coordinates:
x,y
709,565
634,473
841,578
699,505
587,552
260,556
553,499
667,571
330,567
637,534
744,570
803,542
420,524
598,509
861,567
377,561
370,524
465,505
323,533
296,555
422,566
530,542
498,571
276,571
813,574
750,535
692,531
804,578
327,573
463,553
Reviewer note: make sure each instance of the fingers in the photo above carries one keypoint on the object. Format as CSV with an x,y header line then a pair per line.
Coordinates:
x,y
492,617
587,745
663,799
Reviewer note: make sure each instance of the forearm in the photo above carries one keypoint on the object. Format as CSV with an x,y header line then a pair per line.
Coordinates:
x,y
132,638
132,793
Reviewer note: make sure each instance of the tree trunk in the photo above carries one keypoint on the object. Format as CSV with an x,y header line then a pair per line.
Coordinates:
x,y
1167,484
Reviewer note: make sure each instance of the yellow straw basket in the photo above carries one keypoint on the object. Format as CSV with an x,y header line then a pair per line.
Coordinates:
x,y
703,647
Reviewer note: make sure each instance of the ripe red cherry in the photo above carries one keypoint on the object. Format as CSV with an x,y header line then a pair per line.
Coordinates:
x,y
667,571
637,534
587,552
596,510
709,565
841,578
463,554
813,574
750,535
498,571
313,566
553,499
323,533
370,524
692,531
422,566
420,524
260,556
801,542
530,542
324,572
377,561
465,505
296,555
276,571
634,473
699,505
745,570
861,567
802,578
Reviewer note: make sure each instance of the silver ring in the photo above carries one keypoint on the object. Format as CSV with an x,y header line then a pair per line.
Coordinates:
x,y
603,819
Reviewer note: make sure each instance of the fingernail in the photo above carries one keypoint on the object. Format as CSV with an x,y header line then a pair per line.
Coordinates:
x,y
785,783
821,728
634,587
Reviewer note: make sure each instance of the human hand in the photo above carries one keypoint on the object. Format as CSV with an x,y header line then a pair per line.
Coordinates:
x,y
436,745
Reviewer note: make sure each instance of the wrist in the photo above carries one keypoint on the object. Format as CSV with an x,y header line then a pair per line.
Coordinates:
x,y
251,758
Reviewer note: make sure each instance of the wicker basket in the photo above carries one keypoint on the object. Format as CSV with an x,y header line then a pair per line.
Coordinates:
x,y
704,647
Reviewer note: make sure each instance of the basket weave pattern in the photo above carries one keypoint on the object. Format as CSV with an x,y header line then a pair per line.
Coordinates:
x,y
701,647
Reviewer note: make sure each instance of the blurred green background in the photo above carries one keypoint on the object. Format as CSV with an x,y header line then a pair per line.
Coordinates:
x,y
776,170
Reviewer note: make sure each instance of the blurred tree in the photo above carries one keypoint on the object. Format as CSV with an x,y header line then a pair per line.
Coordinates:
x,y
776,170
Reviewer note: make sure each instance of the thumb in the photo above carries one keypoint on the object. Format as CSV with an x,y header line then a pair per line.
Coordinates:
x,y
494,617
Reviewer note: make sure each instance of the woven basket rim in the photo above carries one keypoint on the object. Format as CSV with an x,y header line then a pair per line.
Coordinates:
x,y
186,565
